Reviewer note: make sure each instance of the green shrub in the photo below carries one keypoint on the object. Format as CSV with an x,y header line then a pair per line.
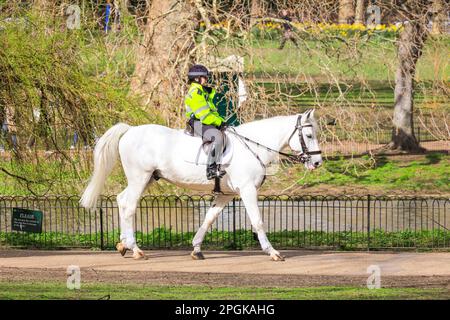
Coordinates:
x,y
167,238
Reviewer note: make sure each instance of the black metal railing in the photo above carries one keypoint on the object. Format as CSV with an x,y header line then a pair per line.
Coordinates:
x,y
354,223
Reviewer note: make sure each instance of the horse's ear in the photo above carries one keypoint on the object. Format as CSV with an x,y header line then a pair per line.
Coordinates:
x,y
311,114
308,113
305,116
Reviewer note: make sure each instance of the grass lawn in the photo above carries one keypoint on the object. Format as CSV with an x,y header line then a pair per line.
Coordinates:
x,y
58,290
421,174
312,76
424,174
433,172
360,97
372,61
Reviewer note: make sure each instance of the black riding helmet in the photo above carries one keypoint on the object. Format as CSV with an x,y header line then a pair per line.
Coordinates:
x,y
196,71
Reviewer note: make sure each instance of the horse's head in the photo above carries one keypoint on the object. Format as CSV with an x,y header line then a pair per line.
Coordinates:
x,y
304,140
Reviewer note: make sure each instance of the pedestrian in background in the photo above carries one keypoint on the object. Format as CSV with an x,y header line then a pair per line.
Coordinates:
x,y
288,33
8,128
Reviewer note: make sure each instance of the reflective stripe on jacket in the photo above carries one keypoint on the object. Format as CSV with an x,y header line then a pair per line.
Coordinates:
x,y
200,103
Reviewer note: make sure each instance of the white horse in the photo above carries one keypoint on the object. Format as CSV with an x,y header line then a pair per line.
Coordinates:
x,y
150,152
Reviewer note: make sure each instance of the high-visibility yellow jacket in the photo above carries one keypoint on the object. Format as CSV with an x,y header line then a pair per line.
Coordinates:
x,y
200,103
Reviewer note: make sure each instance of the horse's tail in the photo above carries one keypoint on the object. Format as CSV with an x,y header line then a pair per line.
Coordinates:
x,y
106,153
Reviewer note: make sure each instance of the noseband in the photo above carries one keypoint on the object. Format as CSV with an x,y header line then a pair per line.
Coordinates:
x,y
305,155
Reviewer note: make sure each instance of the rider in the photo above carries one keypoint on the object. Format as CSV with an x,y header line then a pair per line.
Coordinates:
x,y
204,118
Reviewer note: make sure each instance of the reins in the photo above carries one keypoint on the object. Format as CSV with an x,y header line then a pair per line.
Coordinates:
x,y
290,156
303,157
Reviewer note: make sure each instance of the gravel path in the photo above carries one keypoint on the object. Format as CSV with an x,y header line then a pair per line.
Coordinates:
x,y
232,268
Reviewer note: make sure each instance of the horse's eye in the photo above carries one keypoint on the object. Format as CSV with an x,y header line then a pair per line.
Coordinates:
x,y
309,136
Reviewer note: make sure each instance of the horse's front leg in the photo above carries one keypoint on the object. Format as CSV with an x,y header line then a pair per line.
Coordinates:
x,y
218,204
250,197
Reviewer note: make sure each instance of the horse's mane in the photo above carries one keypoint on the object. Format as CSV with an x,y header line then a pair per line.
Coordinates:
x,y
267,121
256,123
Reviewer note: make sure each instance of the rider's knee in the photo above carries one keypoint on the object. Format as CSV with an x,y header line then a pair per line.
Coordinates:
x,y
214,135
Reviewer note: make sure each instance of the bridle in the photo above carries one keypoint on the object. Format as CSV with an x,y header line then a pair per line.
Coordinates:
x,y
302,157
305,155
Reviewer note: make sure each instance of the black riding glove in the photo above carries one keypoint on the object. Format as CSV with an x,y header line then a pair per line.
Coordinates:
x,y
223,126
208,89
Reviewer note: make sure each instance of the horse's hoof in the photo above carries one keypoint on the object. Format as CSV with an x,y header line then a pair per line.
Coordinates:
x,y
277,257
121,248
197,255
139,255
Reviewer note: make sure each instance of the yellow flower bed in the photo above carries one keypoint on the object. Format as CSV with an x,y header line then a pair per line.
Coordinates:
x,y
342,29
345,27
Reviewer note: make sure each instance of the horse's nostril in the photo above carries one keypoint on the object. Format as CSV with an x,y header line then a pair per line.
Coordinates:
x,y
316,164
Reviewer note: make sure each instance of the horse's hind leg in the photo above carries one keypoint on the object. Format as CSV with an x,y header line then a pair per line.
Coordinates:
x,y
127,201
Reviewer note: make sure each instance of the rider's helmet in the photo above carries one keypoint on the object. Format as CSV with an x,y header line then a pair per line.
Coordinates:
x,y
196,71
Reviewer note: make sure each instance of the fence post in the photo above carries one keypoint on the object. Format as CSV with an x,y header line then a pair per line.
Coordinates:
x,y
368,222
234,224
418,133
102,247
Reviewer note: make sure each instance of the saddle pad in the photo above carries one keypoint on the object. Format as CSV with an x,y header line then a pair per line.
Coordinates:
x,y
194,151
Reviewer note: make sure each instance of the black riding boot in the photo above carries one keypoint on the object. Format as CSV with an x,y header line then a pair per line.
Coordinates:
x,y
212,169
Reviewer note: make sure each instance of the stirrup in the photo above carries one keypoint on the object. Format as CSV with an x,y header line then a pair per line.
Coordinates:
x,y
214,172
213,175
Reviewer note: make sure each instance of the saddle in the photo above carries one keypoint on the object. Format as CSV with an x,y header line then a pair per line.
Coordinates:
x,y
206,146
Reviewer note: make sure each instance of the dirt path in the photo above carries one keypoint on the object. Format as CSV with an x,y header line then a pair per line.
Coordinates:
x,y
232,268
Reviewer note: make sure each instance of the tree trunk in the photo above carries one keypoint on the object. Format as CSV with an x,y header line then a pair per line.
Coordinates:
x,y
346,11
42,6
410,44
441,12
256,11
123,6
164,56
215,11
360,12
